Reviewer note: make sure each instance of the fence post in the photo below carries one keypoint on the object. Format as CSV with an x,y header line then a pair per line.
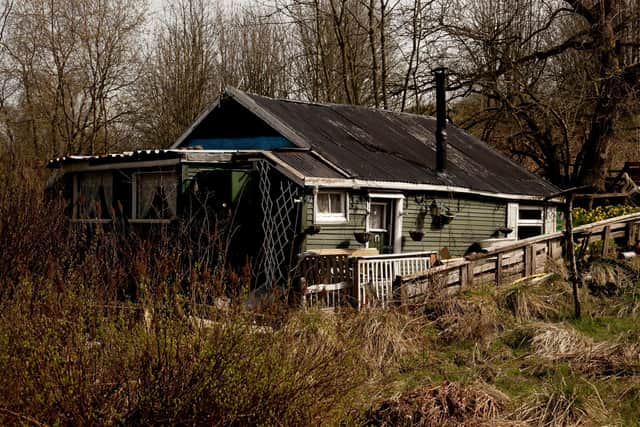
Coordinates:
x,y
529,260
499,269
606,238
534,256
630,234
467,274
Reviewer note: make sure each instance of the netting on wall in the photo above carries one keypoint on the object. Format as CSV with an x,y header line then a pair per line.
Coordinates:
x,y
277,224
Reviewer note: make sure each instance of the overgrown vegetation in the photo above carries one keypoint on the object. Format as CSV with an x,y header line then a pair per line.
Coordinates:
x,y
105,327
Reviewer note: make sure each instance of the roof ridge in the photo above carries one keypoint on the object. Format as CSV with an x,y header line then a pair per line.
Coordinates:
x,y
335,104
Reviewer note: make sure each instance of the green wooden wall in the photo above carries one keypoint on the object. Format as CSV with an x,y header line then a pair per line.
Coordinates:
x,y
336,235
475,219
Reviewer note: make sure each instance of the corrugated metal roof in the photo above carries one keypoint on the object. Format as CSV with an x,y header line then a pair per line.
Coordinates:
x,y
345,141
373,144
307,164
126,156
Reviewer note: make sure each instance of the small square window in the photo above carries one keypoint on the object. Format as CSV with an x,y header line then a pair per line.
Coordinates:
x,y
530,221
331,207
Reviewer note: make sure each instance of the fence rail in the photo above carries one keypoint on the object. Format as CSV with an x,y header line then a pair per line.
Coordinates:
x,y
332,280
520,259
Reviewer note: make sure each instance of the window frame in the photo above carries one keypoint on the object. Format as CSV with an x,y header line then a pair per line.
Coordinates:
x,y
321,218
134,197
76,196
515,222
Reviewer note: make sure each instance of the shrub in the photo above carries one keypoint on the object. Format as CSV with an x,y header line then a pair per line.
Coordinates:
x,y
77,363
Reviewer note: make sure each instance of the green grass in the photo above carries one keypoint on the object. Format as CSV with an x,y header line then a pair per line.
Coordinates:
x,y
604,328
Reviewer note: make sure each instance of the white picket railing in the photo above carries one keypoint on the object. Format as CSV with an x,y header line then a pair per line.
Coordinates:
x,y
325,296
375,274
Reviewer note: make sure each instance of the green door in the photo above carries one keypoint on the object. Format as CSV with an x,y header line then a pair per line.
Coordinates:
x,y
380,226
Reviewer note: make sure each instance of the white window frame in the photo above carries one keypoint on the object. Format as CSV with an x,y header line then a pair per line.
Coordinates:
x,y
331,218
514,221
134,198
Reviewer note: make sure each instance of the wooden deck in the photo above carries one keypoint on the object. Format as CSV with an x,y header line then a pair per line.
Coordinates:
x,y
363,281
339,279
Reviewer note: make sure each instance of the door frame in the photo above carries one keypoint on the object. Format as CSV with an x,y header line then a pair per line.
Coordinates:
x,y
395,219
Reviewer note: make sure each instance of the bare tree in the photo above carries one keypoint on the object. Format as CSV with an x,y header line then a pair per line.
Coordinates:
x,y
75,61
344,49
556,78
180,74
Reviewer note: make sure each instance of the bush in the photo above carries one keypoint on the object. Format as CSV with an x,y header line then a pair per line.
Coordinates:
x,y
67,361
110,327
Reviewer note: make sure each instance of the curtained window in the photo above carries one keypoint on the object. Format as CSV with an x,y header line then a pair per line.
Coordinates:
x,y
94,196
156,195
331,207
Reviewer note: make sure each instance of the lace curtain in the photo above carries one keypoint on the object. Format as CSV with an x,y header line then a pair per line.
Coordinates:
x,y
156,195
95,195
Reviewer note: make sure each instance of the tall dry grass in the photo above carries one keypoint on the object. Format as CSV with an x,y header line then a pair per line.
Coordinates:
x,y
108,326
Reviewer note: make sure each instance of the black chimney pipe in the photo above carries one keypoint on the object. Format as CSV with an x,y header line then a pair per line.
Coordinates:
x,y
441,118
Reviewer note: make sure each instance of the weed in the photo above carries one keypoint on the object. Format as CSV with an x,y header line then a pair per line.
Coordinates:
x,y
565,401
447,404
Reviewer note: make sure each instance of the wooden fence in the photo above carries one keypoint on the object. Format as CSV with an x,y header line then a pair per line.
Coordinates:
x,y
332,280
326,280
520,259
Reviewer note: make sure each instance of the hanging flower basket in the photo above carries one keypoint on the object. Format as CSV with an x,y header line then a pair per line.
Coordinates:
x,y
416,236
362,237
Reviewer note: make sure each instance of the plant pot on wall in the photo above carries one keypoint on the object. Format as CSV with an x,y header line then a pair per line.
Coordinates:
x,y
362,237
312,229
416,235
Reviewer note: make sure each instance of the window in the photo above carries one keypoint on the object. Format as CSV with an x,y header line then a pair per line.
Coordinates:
x,y
378,217
530,221
331,207
94,195
156,195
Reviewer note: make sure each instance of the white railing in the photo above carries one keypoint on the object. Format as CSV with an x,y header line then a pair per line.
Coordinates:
x,y
375,274
328,296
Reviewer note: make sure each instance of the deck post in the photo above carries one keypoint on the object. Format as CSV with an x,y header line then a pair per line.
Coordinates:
x,y
355,279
